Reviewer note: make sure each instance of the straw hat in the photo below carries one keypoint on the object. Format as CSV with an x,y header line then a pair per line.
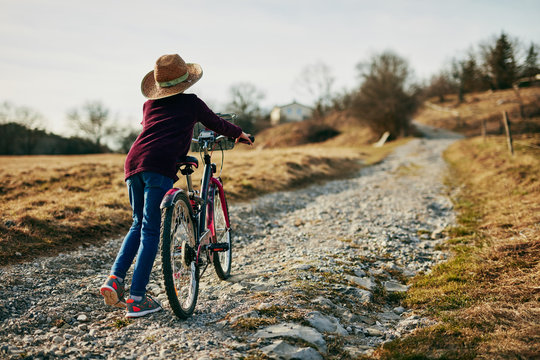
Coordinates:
x,y
170,76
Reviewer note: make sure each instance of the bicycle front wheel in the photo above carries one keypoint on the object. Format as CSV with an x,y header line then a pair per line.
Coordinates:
x,y
178,256
222,259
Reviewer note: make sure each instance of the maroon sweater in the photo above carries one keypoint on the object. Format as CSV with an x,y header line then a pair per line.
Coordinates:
x,y
167,129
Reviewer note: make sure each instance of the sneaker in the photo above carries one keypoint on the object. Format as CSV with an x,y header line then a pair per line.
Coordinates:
x,y
113,292
143,307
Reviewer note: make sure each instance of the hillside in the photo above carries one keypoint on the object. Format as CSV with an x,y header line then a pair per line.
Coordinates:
x,y
337,129
467,117
342,129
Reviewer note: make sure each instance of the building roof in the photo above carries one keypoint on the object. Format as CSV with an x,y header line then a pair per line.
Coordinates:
x,y
295,103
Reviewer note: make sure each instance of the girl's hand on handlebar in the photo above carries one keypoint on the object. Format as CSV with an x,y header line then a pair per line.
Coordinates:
x,y
245,138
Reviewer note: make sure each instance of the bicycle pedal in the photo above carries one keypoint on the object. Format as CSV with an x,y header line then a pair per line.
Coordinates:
x,y
218,247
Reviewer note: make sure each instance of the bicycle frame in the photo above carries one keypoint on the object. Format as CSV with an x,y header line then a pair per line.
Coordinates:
x,y
203,205
195,231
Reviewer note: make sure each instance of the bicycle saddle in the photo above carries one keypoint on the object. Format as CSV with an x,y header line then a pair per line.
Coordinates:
x,y
188,160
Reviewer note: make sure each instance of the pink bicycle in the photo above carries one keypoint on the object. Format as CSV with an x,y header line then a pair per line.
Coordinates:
x,y
195,227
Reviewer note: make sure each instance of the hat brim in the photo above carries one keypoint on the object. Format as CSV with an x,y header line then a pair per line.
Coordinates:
x,y
151,89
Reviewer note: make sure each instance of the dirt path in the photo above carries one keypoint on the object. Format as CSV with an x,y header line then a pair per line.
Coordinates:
x,y
317,273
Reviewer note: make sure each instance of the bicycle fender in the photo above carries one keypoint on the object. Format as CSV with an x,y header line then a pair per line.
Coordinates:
x,y
169,197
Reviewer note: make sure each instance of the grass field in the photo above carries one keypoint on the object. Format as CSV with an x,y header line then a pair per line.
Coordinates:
x,y
486,298
50,204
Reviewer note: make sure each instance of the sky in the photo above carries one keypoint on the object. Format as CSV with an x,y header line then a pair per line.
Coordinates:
x,y
56,55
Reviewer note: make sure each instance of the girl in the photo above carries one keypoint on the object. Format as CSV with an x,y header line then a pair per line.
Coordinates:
x,y
150,171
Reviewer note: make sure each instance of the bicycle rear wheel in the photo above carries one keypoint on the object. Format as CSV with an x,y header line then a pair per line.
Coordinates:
x,y
178,256
223,259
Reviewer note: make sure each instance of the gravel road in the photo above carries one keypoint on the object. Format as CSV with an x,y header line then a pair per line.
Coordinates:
x,y
318,273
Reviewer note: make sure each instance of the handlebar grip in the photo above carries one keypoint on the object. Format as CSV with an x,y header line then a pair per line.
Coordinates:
x,y
252,138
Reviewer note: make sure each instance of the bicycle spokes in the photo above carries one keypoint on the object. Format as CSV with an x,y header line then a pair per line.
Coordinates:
x,y
223,245
180,271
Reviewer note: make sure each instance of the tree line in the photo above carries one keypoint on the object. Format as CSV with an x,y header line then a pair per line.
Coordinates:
x,y
385,99
501,63
387,94
22,133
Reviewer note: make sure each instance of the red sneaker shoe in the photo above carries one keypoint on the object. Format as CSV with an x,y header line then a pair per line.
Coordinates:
x,y
113,292
140,308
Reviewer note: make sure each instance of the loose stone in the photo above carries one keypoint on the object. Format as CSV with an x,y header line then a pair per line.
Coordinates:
x,y
321,255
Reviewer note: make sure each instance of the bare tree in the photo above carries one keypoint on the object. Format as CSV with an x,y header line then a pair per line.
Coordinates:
x,y
343,99
387,98
92,121
30,118
316,80
441,85
245,98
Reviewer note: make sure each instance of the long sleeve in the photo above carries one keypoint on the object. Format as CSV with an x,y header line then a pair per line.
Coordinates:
x,y
209,119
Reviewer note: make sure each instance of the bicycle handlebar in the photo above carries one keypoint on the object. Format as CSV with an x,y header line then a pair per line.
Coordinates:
x,y
207,139
221,137
251,137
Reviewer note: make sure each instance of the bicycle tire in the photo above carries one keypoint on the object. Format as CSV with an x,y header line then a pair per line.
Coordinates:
x,y
222,260
178,256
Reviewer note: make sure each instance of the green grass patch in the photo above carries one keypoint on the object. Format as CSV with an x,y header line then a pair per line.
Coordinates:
x,y
121,323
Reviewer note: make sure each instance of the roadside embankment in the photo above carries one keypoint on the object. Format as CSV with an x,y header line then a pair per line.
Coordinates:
x,y
486,298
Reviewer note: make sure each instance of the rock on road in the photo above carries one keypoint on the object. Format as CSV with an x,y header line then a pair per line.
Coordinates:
x,y
316,272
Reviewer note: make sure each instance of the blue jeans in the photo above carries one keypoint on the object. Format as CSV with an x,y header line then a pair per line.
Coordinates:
x,y
146,190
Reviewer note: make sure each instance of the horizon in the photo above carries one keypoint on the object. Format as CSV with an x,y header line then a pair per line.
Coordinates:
x,y
59,55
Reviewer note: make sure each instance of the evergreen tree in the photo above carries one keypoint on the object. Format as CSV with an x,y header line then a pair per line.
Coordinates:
x,y
471,76
531,67
502,64
457,77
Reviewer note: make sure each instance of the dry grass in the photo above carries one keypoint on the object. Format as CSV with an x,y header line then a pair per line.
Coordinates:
x,y
487,297
55,203
467,117
249,173
52,203
338,129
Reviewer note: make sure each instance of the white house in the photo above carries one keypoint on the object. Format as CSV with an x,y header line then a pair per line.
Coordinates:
x,y
290,112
